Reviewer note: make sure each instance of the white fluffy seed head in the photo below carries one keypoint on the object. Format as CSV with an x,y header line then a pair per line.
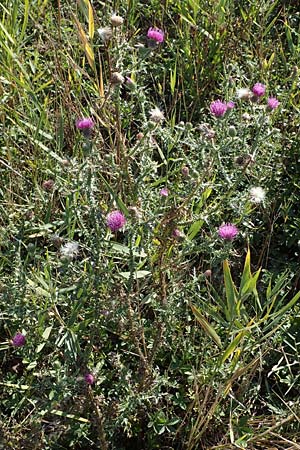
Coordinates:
x,y
69,250
257,194
156,115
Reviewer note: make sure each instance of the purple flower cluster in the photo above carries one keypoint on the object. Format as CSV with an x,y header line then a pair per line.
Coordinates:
x,y
115,220
259,90
228,231
156,35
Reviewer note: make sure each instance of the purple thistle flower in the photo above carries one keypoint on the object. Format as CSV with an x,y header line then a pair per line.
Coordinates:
x,y
259,89
228,231
176,233
273,103
18,340
230,104
84,124
89,378
218,108
115,220
156,35
164,192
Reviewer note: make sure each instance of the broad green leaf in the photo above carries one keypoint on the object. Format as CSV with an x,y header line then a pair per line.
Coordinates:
x,y
173,78
246,276
209,329
119,248
137,274
231,291
194,229
250,284
47,333
118,200
288,306
232,346
69,416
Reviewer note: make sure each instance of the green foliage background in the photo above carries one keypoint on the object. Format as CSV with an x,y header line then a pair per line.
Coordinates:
x,y
193,341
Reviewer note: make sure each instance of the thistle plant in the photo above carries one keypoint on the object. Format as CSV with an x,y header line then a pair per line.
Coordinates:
x,y
145,152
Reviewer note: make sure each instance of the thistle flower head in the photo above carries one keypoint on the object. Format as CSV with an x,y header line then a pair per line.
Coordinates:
x,y
86,123
259,89
178,235
273,103
89,378
230,104
228,231
115,220
18,340
156,35
164,192
218,108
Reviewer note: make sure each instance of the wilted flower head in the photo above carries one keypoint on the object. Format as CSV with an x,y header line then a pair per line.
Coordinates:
x,y
246,116
207,273
156,35
228,231
115,220
116,21
257,194
129,82
89,378
156,115
48,185
244,94
244,160
164,192
117,78
230,104
178,235
273,103
140,136
69,250
18,340
218,108
105,34
207,131
185,171
259,89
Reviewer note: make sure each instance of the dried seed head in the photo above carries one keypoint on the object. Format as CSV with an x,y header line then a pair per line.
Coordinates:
x,y
48,185
185,171
116,78
105,34
156,115
116,21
